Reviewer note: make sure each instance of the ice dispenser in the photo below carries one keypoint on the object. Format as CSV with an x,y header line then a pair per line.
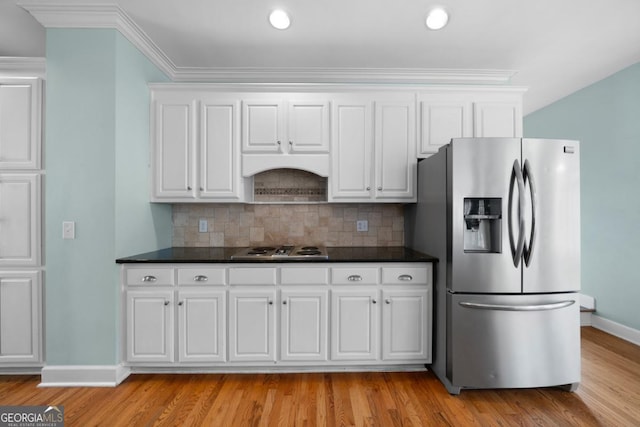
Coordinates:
x,y
482,225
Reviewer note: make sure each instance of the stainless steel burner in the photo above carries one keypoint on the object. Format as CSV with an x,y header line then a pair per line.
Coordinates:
x,y
282,252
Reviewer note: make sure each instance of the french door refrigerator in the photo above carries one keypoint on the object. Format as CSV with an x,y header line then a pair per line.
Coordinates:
x,y
503,217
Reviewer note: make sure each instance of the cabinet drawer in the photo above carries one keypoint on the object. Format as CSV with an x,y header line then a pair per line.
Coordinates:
x,y
304,276
354,276
149,276
201,276
406,276
252,276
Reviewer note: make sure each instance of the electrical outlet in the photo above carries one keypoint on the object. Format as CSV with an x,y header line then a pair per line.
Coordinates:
x,y
68,229
203,226
362,225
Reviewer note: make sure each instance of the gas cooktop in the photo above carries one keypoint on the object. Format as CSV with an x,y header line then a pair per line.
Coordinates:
x,y
283,252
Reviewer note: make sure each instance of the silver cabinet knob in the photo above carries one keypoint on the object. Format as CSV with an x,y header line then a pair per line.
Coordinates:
x,y
388,301
200,278
166,303
181,303
379,188
150,279
278,142
374,301
270,302
284,302
368,188
188,187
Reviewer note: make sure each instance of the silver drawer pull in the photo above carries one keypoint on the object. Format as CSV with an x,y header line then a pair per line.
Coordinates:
x,y
355,278
200,278
149,279
405,277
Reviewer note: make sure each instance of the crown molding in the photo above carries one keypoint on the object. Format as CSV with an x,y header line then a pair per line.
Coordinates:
x,y
65,15
54,14
22,67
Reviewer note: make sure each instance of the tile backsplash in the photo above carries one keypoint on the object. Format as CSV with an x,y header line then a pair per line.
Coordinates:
x,y
267,224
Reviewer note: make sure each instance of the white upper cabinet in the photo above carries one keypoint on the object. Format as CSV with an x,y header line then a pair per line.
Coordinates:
x,y
19,219
195,141
173,141
373,148
289,123
496,119
456,113
20,123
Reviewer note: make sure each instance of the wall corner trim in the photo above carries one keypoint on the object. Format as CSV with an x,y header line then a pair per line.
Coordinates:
x,y
83,375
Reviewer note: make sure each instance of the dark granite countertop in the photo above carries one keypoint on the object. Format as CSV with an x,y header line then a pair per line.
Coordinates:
x,y
223,255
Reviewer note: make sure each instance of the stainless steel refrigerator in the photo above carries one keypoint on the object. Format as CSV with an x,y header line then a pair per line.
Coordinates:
x,y
503,217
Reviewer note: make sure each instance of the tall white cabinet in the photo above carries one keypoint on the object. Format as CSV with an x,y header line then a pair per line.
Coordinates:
x,y
20,223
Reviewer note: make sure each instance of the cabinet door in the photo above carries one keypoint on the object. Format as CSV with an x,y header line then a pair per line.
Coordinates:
x,y
351,150
173,141
395,148
201,326
251,325
20,124
19,219
20,322
150,322
262,126
497,119
303,321
406,324
443,117
219,149
308,126
354,324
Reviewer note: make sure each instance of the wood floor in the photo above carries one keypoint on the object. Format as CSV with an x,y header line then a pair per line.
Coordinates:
x,y
609,395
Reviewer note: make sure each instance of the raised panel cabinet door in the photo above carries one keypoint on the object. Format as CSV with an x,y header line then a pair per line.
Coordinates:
x,y
303,320
262,126
20,322
351,150
497,119
395,148
406,325
174,143
20,123
150,333
220,149
308,126
354,324
19,219
201,326
443,117
251,325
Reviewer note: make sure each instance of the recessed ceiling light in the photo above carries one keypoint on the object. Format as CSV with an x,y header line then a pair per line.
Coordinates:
x,y
279,19
437,18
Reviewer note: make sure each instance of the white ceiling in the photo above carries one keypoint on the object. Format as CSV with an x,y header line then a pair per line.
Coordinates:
x,y
555,46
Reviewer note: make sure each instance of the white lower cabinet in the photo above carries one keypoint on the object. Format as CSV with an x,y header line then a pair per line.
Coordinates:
x,y
20,321
303,324
309,315
202,326
354,324
150,315
252,325
406,327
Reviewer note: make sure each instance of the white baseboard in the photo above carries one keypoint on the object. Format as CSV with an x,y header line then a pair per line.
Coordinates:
x,y
585,318
617,329
83,376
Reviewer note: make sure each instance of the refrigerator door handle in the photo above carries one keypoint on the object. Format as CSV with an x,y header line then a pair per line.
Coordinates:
x,y
528,179
516,249
534,307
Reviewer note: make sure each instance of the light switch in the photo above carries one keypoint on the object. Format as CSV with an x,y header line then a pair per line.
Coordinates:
x,y
362,225
203,226
68,230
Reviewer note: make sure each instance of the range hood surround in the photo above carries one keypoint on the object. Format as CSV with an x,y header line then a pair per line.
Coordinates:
x,y
253,164
287,185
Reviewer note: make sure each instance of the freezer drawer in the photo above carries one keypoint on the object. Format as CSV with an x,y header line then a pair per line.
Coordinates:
x,y
513,341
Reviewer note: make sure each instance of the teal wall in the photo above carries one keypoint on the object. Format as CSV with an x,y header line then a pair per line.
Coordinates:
x,y
96,160
605,117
